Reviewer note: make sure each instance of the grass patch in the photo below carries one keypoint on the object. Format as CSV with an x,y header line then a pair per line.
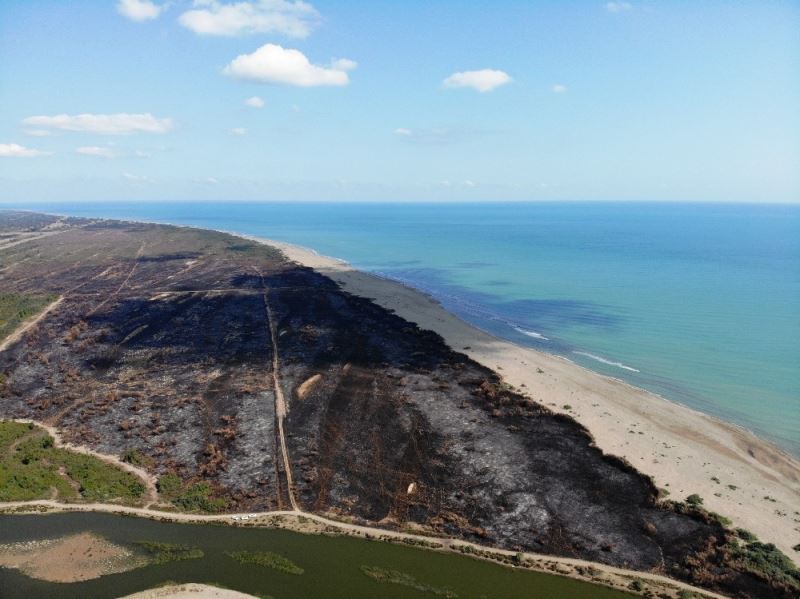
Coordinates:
x,y
15,308
31,467
385,575
197,497
137,458
163,553
768,561
268,559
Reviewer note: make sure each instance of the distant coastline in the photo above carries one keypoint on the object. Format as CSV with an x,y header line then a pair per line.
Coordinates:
x,y
695,332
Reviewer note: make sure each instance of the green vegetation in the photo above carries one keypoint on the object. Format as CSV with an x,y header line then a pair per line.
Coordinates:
x,y
14,308
31,467
694,500
268,559
746,535
162,553
197,497
137,458
768,561
396,577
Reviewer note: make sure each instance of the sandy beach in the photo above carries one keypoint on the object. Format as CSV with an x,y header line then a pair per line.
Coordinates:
x,y
189,591
738,475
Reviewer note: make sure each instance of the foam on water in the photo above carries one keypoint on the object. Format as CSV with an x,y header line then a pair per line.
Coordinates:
x,y
532,334
603,360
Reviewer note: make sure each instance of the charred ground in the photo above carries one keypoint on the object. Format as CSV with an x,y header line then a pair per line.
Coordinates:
x,y
162,346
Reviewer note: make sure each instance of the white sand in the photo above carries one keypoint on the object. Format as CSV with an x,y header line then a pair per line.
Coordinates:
x,y
189,591
681,449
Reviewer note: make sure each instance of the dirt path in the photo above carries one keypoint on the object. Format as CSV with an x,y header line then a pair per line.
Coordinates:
x,y
280,403
447,544
29,324
123,284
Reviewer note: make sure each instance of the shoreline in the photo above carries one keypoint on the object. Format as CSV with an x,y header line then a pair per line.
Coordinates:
x,y
739,475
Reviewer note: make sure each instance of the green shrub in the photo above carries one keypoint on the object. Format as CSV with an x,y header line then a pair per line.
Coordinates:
x,y
401,578
768,561
268,559
746,535
169,485
694,500
162,553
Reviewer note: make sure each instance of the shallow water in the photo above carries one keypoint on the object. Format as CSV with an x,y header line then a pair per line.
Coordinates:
x,y
697,302
331,564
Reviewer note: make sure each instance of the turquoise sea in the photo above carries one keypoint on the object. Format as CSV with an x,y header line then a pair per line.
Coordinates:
x,y
697,302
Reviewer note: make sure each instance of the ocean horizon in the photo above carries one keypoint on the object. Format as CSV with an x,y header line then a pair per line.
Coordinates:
x,y
699,303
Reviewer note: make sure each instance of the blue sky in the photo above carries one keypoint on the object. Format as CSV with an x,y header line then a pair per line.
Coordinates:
x,y
412,100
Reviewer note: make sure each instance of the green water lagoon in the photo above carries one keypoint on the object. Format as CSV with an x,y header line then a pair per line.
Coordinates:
x,y
324,567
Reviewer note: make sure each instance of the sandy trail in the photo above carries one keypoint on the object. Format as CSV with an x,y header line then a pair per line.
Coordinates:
x,y
738,475
280,404
29,324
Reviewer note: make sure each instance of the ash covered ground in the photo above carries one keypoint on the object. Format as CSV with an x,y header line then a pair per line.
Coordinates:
x,y
162,344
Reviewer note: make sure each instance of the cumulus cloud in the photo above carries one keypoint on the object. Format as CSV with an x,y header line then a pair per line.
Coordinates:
x,y
285,17
403,131
618,6
18,151
103,124
139,10
239,131
484,80
254,102
97,151
274,64
559,88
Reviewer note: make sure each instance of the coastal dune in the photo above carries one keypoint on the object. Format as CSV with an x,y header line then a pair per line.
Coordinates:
x,y
686,452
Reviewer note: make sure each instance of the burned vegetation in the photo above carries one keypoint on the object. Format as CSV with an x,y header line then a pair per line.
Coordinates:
x,y
164,349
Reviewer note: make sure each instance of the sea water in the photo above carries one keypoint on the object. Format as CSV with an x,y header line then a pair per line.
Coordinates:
x,y
697,302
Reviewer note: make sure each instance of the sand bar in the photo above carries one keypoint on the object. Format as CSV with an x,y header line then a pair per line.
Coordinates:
x,y
738,475
189,591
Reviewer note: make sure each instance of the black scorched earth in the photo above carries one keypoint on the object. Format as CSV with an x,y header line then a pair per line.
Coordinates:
x,y
189,347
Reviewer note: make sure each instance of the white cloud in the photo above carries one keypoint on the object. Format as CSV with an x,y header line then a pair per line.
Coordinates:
x,y
403,131
18,151
239,131
254,102
295,108
618,6
274,64
344,64
469,183
139,10
137,178
211,17
484,80
97,151
559,88
212,181
141,154
38,132
104,124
